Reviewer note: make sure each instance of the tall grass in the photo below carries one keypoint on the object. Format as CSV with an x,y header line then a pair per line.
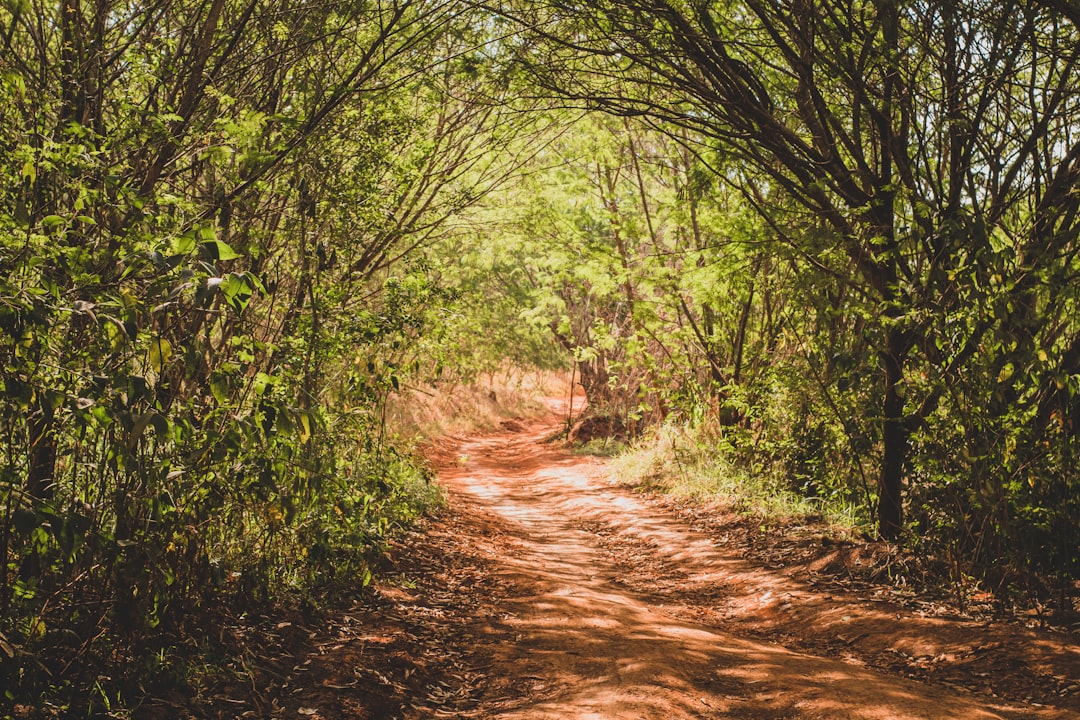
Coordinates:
x,y
704,466
419,414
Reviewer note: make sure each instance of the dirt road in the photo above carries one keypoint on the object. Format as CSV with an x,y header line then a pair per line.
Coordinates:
x,y
544,592
586,643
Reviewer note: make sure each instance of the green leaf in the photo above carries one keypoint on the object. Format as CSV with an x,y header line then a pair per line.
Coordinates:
x,y
236,290
184,245
34,628
29,171
262,382
101,416
11,78
160,352
219,388
1006,373
254,282
24,589
283,423
218,250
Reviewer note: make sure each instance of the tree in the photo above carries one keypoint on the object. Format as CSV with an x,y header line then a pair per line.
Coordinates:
x,y
934,142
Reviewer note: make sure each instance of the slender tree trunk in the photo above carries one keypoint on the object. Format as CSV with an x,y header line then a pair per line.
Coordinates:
x,y
894,436
894,431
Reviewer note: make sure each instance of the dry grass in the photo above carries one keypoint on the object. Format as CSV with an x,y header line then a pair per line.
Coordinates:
x,y
424,414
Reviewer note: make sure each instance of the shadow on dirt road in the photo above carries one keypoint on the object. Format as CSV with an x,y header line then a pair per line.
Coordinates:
x,y
580,641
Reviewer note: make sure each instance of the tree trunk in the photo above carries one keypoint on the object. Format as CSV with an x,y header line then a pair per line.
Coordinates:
x,y
894,437
894,432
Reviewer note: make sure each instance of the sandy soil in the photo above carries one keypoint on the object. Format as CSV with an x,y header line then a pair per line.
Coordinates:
x,y
547,592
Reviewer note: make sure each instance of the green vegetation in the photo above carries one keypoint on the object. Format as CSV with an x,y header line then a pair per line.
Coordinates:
x,y
694,463
829,249
213,222
847,231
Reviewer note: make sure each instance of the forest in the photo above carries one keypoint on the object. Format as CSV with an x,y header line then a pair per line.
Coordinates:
x,y
825,250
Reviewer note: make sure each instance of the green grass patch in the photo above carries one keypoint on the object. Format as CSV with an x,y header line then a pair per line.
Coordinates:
x,y
704,468
600,447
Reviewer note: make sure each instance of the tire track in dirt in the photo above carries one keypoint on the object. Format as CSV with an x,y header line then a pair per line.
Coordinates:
x,y
588,641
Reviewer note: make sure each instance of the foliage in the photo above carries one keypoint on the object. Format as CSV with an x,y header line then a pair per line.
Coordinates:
x,y
913,167
835,241
211,224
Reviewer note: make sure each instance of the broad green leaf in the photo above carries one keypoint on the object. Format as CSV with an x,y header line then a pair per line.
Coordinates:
x,y
219,388
160,352
218,250
236,290
184,244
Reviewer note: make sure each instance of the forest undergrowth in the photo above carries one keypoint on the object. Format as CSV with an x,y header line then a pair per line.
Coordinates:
x,y
750,497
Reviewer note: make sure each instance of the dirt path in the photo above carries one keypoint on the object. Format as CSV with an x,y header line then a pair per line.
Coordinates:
x,y
588,641
545,592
